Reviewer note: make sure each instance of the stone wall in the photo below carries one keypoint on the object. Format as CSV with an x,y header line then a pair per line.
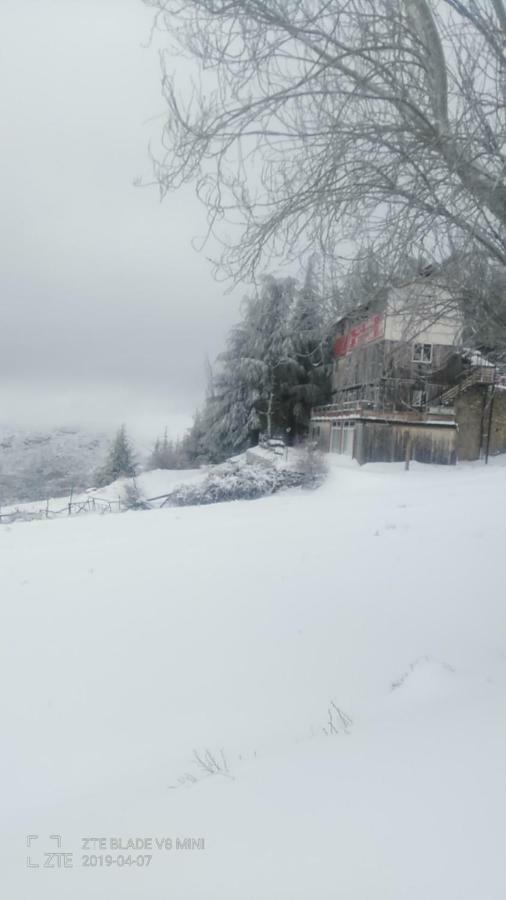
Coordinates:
x,y
472,410
498,430
469,408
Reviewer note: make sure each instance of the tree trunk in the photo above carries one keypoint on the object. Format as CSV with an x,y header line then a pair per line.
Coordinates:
x,y
269,415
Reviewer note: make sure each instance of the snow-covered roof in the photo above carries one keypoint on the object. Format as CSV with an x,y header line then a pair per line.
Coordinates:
x,y
476,358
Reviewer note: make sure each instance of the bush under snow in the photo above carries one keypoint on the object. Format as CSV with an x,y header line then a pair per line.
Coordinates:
x,y
235,481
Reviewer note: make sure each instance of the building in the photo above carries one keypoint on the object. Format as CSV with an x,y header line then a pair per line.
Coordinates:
x,y
404,387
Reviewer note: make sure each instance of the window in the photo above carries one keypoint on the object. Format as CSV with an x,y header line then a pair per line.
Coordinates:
x,y
341,438
422,353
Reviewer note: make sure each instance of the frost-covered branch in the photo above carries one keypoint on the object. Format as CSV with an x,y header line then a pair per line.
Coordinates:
x,y
335,126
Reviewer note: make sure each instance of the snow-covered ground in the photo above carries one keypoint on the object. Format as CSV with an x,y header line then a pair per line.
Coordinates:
x,y
129,642
150,485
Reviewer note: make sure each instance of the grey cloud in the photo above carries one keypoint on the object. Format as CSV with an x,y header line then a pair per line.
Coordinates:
x,y
99,284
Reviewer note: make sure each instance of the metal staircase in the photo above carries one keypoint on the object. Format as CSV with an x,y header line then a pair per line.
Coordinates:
x,y
478,375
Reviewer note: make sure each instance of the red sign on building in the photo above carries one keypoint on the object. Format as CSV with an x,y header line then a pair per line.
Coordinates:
x,y
363,333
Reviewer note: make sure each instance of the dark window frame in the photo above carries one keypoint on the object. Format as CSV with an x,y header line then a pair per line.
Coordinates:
x,y
419,354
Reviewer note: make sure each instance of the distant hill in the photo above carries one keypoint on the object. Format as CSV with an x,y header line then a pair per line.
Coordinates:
x,y
35,464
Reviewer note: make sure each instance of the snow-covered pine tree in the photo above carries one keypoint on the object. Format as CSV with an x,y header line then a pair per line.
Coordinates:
x,y
271,366
154,458
310,335
266,370
164,454
120,462
194,448
225,421
251,382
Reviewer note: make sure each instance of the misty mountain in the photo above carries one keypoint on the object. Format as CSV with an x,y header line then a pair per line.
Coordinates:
x,y
36,464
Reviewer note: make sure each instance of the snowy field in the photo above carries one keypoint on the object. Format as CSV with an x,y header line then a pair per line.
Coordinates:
x,y
130,641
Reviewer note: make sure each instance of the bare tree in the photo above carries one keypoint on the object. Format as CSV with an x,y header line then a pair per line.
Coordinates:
x,y
335,124
478,286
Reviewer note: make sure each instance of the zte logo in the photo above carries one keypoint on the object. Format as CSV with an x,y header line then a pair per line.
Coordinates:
x,y
52,859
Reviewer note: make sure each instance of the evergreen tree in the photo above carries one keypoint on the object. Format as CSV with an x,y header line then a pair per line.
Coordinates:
x,y
249,389
271,365
164,454
273,369
195,447
312,351
120,462
269,375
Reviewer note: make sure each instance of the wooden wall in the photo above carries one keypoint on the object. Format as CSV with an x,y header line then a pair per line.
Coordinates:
x,y
385,374
385,442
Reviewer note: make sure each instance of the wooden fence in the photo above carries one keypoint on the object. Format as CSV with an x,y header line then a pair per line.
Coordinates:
x,y
78,507
72,508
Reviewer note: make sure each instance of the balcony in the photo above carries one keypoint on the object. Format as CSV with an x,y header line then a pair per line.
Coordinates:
x,y
365,411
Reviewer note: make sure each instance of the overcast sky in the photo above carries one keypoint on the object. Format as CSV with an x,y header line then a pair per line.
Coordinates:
x,y
106,310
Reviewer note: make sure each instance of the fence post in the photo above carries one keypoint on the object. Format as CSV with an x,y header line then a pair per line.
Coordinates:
x,y
408,453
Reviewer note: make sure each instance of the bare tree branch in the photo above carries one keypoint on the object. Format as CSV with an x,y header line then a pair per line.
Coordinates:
x,y
339,125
